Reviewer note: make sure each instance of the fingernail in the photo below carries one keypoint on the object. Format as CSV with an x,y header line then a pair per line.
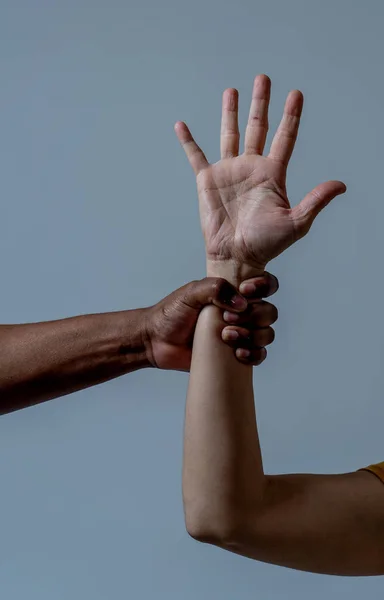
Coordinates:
x,y
239,302
248,288
242,353
230,334
230,317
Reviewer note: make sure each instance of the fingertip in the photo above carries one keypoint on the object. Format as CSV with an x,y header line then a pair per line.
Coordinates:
x,y
249,358
336,188
179,126
229,335
294,103
297,95
230,99
180,131
257,288
230,317
263,77
247,288
238,303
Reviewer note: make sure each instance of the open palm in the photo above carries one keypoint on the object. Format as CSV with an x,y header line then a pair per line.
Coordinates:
x,y
245,213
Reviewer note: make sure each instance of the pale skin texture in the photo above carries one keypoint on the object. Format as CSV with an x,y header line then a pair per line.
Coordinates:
x,y
245,213
331,524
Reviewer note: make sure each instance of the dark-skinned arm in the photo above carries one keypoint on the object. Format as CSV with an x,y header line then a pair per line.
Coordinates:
x,y
42,361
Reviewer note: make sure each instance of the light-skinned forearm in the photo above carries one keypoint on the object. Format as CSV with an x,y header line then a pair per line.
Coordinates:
x,y
41,361
331,524
221,442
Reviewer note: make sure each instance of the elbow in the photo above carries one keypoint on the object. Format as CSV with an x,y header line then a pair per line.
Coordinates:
x,y
224,531
201,531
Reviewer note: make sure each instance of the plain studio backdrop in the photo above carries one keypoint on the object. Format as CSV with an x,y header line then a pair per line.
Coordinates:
x,y
99,213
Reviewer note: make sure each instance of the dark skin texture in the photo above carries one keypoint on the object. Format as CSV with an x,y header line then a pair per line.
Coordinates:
x,y
42,361
173,320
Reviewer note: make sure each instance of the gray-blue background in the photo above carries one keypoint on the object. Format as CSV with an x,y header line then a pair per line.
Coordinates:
x,y
99,213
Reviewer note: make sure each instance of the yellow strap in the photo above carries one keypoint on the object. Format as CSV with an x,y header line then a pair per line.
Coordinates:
x,y
377,469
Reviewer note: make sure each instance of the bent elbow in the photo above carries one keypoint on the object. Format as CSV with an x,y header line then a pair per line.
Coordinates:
x,y
201,531
213,529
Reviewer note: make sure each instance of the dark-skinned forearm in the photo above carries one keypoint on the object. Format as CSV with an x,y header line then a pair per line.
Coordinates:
x,y
41,361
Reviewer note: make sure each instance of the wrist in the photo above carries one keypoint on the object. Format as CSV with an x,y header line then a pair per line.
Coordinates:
x,y
233,271
211,321
135,338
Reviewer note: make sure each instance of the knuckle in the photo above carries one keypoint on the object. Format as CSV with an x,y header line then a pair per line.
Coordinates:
x,y
259,356
265,312
271,335
229,130
277,283
195,283
207,284
220,288
257,120
264,337
193,287
274,313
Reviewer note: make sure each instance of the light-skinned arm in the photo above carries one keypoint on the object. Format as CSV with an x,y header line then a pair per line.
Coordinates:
x,y
321,523
331,524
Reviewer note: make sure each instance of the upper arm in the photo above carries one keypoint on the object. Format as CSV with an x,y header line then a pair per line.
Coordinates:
x,y
330,524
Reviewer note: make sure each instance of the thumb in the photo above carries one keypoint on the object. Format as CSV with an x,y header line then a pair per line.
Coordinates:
x,y
305,213
214,290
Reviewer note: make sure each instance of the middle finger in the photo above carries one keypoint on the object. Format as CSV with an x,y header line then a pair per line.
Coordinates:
x,y
230,135
239,337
